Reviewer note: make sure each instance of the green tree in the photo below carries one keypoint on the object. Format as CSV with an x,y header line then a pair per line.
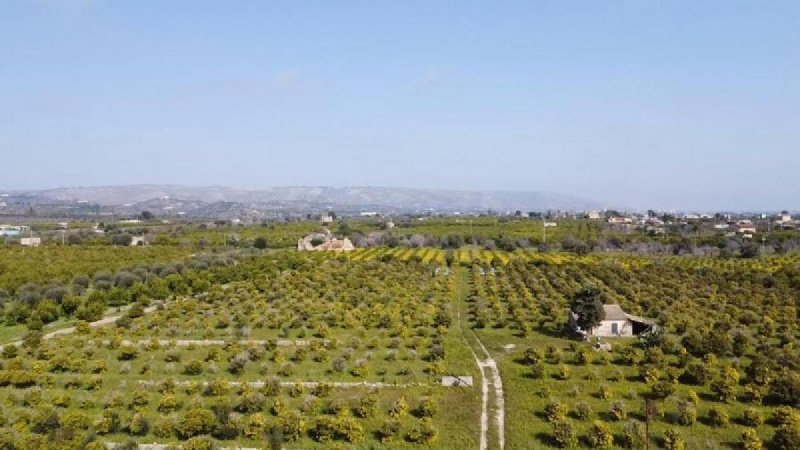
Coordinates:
x,y
787,436
587,304
724,386
260,243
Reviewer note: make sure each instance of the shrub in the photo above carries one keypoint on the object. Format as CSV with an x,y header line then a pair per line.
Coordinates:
x,y
583,411
785,388
787,436
138,426
783,415
687,413
718,416
139,399
555,411
272,387
663,389
255,426
293,426
164,428
427,408
532,356
194,367
199,443
250,401
563,372
724,386
399,409
752,417
127,353
423,432
279,408
673,440
196,421
581,357
108,422
564,434
216,387
237,363
696,373
537,370
367,406
600,435
339,427
750,440
388,431
633,435
618,411
605,392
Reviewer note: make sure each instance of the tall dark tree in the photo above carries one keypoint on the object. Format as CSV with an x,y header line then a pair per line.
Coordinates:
x,y
587,303
260,242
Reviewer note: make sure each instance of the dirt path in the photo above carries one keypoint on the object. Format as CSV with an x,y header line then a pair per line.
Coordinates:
x,y
307,384
486,364
217,342
499,399
108,320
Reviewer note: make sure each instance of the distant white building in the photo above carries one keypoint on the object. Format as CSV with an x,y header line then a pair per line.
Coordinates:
x,y
326,219
14,230
619,220
138,241
593,215
30,241
323,240
746,228
368,214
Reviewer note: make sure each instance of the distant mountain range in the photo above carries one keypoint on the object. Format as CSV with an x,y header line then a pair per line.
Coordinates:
x,y
221,201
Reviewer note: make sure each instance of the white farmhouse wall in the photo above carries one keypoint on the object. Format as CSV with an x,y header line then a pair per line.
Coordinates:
x,y
606,327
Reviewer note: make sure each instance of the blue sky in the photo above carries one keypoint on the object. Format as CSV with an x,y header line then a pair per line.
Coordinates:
x,y
691,105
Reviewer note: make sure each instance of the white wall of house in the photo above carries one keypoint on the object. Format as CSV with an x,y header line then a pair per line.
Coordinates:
x,y
607,328
30,241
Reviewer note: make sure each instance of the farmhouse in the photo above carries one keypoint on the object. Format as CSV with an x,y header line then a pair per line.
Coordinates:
x,y
745,227
139,241
323,240
616,323
30,241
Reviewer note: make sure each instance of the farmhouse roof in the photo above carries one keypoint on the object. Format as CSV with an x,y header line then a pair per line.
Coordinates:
x,y
614,312
640,319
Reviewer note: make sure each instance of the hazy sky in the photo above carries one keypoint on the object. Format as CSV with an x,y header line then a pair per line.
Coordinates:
x,y
691,104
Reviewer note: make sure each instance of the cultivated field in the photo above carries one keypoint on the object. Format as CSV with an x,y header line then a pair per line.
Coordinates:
x,y
315,350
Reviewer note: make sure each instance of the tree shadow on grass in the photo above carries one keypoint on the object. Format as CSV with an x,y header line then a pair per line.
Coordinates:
x,y
560,332
705,396
545,439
